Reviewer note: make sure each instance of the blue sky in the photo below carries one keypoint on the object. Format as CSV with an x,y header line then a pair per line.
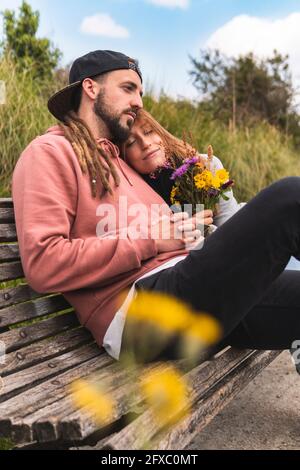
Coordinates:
x,y
162,33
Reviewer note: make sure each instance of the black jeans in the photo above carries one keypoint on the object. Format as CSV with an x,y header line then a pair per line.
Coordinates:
x,y
238,275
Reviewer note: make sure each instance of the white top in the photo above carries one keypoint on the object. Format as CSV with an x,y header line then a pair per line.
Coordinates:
x,y
113,337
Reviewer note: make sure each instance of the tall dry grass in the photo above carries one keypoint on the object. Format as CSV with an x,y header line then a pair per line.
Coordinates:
x,y
23,116
255,157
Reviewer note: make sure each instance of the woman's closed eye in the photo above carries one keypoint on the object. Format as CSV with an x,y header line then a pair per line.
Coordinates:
x,y
130,143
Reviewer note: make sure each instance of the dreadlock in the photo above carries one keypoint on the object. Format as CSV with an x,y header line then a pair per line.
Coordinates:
x,y
88,151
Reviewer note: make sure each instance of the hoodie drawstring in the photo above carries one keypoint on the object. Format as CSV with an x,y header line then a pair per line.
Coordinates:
x,y
115,152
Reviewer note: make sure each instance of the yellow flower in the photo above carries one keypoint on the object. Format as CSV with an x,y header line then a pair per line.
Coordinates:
x,y
205,328
199,182
166,312
173,194
207,176
223,175
216,182
166,393
94,400
203,331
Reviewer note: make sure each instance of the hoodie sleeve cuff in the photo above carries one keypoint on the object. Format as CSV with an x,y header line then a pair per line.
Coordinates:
x,y
145,248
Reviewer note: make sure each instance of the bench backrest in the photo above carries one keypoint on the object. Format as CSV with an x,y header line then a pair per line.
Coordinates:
x,y
25,315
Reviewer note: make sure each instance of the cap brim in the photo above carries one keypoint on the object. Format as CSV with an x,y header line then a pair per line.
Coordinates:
x,y
61,102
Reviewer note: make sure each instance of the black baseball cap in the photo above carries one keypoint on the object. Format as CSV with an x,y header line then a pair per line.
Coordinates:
x,y
88,66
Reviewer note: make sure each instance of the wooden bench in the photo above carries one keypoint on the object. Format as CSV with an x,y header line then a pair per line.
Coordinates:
x,y
47,352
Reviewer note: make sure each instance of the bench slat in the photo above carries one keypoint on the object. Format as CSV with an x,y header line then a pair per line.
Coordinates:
x,y
78,425
20,337
47,422
8,233
44,350
206,406
6,202
14,295
9,252
61,421
14,410
33,309
215,401
27,378
11,271
7,215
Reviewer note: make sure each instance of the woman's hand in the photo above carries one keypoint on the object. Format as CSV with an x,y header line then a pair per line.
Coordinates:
x,y
204,217
181,231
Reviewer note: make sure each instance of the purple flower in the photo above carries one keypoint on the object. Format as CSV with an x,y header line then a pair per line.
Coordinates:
x,y
180,171
192,161
184,168
212,192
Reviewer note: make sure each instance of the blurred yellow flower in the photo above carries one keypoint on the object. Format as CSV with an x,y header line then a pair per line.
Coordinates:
x,y
94,400
205,328
166,393
164,311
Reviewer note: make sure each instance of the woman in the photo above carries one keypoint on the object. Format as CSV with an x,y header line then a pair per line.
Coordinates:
x,y
150,147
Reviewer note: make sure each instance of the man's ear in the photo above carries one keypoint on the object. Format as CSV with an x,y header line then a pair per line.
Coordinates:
x,y
90,87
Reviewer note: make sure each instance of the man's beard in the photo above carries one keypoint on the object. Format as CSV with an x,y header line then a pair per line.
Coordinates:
x,y
119,134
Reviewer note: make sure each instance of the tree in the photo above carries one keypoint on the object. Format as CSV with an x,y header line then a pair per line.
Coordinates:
x,y
245,90
21,42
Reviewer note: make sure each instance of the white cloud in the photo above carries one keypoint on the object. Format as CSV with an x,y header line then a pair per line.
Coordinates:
x,y
102,24
246,33
184,4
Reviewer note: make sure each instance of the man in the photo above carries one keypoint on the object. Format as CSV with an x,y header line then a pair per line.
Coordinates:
x,y
65,178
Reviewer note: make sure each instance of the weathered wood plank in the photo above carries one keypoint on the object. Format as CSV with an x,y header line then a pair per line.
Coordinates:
x,y
7,215
44,350
14,410
47,423
27,378
9,252
212,404
145,429
8,233
14,295
6,202
10,271
33,309
20,337
204,376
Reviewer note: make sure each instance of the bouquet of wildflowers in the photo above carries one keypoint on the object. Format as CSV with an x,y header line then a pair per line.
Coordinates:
x,y
196,183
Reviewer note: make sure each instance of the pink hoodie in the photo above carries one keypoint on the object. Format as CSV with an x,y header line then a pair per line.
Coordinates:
x,y
56,219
